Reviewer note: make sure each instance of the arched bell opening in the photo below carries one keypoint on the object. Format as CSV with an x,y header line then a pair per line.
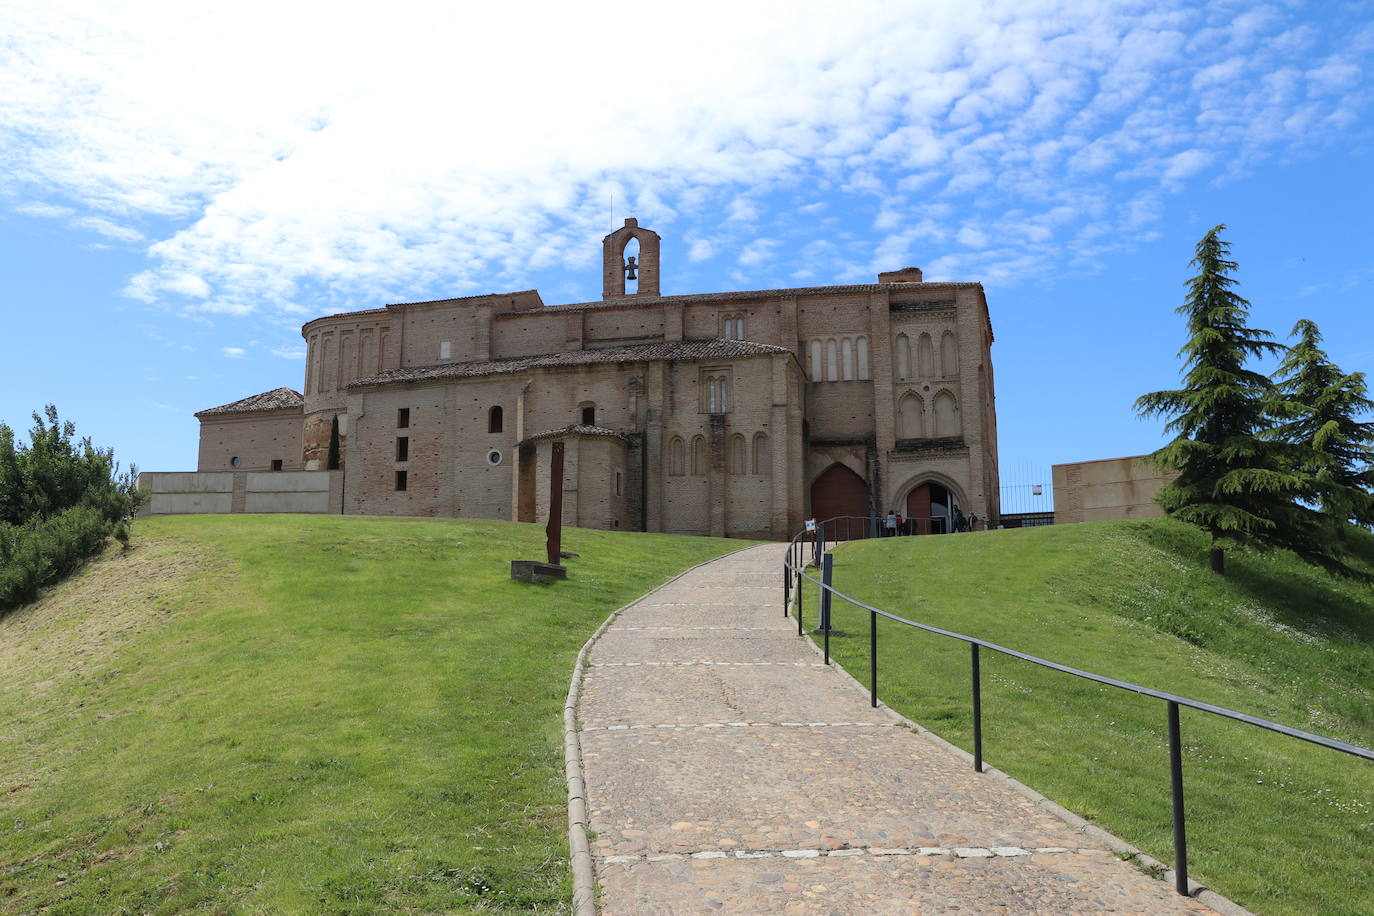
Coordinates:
x,y
630,257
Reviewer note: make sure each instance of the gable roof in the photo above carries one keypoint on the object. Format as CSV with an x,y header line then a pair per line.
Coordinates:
x,y
276,399
577,429
679,350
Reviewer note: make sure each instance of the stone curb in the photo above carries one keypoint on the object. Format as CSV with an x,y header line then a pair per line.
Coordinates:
x,y
1199,892
580,853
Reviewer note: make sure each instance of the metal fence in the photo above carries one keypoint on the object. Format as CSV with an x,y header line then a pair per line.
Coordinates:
x,y
814,543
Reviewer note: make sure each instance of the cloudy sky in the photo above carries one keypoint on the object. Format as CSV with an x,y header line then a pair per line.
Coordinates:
x,y
183,187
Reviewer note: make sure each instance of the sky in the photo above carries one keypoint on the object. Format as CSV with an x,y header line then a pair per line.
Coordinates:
x,y
183,185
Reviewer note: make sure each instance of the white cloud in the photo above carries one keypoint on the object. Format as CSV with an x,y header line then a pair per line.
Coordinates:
x,y
406,155
234,352
289,352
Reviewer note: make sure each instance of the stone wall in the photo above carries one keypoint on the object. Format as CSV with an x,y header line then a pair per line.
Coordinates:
x,y
1112,488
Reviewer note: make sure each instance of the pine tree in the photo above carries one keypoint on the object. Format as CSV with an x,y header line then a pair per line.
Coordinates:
x,y
1319,410
1232,481
332,460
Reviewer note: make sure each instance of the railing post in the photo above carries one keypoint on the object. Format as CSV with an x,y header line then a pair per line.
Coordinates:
x,y
977,712
1176,778
801,603
827,567
873,659
786,586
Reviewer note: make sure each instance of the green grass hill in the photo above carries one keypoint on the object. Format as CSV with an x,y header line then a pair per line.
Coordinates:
x,y
301,714
1278,825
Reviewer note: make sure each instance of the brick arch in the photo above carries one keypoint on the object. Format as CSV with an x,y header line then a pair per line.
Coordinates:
x,y
916,499
839,491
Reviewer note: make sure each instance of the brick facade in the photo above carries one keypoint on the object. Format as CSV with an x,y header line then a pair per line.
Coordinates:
x,y
698,414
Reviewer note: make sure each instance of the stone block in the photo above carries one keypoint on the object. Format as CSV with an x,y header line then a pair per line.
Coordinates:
x,y
536,571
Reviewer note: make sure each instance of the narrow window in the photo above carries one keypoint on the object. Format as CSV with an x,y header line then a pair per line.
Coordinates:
x,y
711,395
677,459
400,480
445,349
903,356
403,418
847,349
739,329
588,416
863,358
925,357
815,361
698,456
276,464
495,420
738,463
760,453
619,484
402,448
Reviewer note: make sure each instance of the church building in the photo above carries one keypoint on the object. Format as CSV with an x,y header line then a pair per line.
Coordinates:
x,y
735,414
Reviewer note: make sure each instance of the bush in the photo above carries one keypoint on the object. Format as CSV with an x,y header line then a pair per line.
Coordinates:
x,y
60,498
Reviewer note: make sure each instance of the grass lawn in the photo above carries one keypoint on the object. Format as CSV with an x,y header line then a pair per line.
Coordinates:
x,y
301,714
1278,825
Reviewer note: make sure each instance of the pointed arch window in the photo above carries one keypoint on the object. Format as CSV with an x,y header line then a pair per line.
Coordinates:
x,y
949,355
912,417
925,356
946,414
903,356
698,456
739,460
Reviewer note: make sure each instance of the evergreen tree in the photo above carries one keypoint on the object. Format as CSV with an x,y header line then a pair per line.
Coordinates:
x,y
1319,411
332,461
1232,481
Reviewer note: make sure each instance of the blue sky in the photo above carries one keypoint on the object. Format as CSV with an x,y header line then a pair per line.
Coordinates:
x,y
183,188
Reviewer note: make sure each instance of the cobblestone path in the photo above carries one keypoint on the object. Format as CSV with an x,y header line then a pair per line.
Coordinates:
x,y
728,770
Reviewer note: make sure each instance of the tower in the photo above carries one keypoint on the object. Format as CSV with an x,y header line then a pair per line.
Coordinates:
x,y
614,267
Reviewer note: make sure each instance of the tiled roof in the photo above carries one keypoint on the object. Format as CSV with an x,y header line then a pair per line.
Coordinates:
x,y
748,294
685,350
576,430
276,399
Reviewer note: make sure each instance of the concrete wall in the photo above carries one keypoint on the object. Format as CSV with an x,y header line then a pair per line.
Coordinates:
x,y
1112,488
223,492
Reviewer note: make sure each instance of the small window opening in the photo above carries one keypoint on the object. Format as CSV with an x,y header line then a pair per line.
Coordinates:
x,y
619,484
402,448
588,416
400,480
403,418
234,462
445,349
495,420
276,464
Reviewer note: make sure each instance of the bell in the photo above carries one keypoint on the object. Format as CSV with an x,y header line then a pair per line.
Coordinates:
x,y
630,269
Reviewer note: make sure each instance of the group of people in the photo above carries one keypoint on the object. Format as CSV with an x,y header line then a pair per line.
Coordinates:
x,y
894,525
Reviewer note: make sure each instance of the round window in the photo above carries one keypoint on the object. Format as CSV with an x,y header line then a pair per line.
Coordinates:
x,y
493,457
234,462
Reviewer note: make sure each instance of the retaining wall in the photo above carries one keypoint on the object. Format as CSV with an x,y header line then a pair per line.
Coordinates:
x,y
223,492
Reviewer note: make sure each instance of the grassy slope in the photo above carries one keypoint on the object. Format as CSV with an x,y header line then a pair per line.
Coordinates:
x,y
1279,825
281,714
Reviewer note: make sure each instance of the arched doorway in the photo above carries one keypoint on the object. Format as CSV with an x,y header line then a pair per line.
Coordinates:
x,y
930,509
839,491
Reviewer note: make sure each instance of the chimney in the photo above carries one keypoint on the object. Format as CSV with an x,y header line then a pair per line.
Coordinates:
x,y
905,275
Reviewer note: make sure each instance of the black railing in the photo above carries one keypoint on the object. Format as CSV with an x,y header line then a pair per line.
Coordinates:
x,y
794,574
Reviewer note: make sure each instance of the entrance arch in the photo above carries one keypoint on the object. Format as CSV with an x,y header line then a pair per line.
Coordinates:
x,y
930,507
839,491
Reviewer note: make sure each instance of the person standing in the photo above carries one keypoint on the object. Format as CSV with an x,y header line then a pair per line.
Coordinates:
x,y
890,524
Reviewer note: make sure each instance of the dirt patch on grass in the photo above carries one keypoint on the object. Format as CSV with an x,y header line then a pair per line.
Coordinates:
x,y
82,621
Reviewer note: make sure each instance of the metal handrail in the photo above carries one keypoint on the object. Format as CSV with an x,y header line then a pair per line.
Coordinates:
x,y
794,573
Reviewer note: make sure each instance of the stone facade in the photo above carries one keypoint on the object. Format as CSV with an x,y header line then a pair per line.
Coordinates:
x,y
738,413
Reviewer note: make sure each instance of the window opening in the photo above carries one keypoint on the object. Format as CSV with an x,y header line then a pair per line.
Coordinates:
x,y
400,480
402,448
403,418
276,464
495,420
588,416
445,349
619,484
234,462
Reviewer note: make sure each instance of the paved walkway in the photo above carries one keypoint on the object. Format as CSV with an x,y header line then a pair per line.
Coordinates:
x,y
728,770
